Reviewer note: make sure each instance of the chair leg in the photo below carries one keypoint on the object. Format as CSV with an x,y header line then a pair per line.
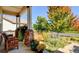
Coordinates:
x,y
7,50
6,47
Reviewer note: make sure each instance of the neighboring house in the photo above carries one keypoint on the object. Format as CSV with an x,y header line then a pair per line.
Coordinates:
x,y
10,25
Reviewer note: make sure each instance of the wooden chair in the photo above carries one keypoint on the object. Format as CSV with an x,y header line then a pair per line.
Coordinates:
x,y
10,42
0,38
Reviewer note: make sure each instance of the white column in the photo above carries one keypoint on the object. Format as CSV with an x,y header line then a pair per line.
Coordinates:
x,y
17,21
1,21
29,17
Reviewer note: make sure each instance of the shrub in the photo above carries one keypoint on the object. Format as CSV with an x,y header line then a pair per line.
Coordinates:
x,y
75,39
53,44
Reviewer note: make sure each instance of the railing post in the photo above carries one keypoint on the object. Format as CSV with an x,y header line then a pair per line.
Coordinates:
x,y
17,21
1,21
29,17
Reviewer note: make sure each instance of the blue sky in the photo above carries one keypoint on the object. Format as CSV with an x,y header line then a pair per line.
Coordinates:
x,y
39,11
75,10
42,11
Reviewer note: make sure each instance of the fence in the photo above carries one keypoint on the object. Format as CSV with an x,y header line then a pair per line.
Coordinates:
x,y
55,34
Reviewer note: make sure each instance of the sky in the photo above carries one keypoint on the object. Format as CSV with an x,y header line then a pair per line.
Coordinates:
x,y
75,10
39,11
42,11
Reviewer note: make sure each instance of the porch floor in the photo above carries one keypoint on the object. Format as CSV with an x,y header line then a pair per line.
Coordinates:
x,y
21,49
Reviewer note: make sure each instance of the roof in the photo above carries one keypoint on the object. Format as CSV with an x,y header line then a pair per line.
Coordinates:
x,y
12,10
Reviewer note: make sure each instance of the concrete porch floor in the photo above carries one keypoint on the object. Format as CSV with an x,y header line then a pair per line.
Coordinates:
x,y
22,49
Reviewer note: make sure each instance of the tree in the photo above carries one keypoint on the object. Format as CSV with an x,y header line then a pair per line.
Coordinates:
x,y
60,18
41,24
75,24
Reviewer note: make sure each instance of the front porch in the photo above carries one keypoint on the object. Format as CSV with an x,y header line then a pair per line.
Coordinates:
x,y
17,12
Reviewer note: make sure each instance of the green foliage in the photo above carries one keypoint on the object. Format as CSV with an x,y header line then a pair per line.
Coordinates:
x,y
75,39
20,36
60,18
53,44
41,24
45,35
58,11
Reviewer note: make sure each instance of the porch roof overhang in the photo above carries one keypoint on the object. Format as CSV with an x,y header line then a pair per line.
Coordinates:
x,y
13,10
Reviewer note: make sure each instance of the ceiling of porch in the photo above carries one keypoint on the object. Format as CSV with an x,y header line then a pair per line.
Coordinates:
x,y
12,10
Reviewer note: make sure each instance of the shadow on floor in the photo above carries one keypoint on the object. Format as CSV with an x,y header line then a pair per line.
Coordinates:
x,y
75,49
57,51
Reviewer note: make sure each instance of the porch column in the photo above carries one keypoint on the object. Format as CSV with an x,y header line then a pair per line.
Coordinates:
x,y
1,21
17,21
29,17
